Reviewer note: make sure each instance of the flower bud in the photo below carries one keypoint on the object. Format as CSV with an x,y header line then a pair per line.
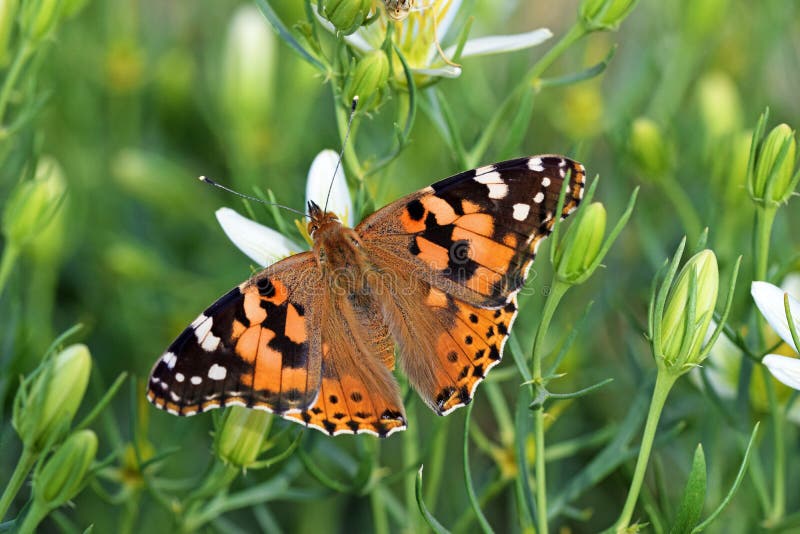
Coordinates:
x,y
368,78
577,252
46,408
8,14
681,343
773,177
605,14
648,148
33,203
347,15
720,105
63,475
248,69
39,18
242,436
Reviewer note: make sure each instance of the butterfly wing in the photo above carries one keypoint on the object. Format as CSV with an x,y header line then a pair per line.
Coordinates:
x,y
459,251
253,347
358,392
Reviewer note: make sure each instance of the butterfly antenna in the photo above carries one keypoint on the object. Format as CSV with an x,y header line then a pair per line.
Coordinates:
x,y
209,181
341,153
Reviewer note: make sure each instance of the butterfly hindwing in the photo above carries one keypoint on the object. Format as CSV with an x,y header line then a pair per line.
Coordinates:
x,y
253,347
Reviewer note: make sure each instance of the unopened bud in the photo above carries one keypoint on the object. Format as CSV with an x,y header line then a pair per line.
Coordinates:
x,y
347,15
242,436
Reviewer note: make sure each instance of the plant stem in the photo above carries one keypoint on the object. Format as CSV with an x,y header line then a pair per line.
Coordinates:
x,y
34,516
14,71
765,217
550,305
9,259
664,383
25,463
682,205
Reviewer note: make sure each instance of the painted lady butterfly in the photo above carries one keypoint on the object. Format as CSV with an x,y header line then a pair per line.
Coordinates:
x,y
312,337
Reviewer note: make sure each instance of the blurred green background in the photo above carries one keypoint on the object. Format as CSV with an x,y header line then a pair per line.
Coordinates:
x,y
140,105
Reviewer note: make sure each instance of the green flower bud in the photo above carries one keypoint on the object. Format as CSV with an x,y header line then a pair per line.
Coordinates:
x,y
33,203
605,14
46,404
720,105
8,14
248,69
62,476
577,253
242,436
39,18
773,179
649,149
347,15
369,77
681,343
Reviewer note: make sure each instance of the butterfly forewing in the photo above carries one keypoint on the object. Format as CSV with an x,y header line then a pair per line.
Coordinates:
x,y
254,347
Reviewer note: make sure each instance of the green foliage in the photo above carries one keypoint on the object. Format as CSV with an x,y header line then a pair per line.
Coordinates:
x,y
110,110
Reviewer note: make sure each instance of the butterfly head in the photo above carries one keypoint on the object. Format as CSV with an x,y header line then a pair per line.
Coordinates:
x,y
398,9
319,218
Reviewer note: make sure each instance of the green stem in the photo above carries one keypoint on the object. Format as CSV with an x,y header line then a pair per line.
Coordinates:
x,y
664,383
779,462
9,259
411,456
23,53
34,516
765,217
529,81
550,305
24,465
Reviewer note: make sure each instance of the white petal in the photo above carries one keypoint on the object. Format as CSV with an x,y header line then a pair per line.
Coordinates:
x,y
497,44
783,368
449,17
448,71
769,299
319,181
261,244
721,367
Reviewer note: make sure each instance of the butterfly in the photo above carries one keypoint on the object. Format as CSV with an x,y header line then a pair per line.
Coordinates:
x,y
435,274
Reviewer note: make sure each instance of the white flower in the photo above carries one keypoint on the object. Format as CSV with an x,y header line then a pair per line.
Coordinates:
x,y
770,302
264,245
417,38
769,299
784,369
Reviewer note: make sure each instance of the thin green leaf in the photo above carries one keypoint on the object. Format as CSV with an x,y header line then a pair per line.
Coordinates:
x,y
734,487
286,35
694,496
429,518
103,402
473,498
581,393
586,74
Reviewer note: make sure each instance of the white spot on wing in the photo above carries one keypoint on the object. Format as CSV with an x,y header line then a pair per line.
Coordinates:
x,y
174,396
170,359
489,178
484,169
196,380
498,191
521,211
200,320
179,377
545,182
210,343
539,197
535,164
202,326
217,372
